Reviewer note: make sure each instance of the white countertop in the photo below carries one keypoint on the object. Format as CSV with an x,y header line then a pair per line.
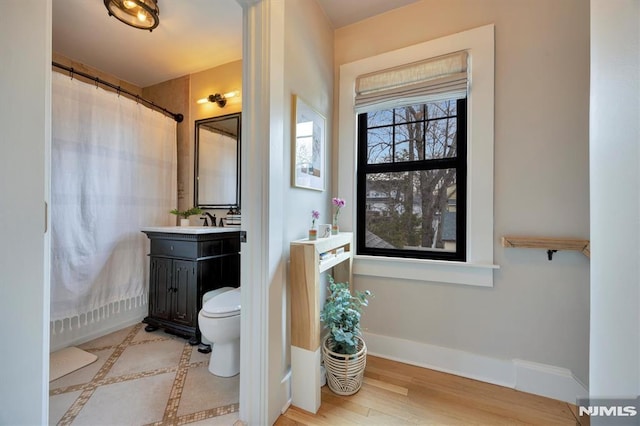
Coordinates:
x,y
191,229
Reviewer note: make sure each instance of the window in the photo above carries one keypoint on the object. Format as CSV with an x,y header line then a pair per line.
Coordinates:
x,y
476,267
411,197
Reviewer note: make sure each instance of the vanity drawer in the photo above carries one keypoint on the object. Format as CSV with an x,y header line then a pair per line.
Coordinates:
x,y
195,249
218,247
173,248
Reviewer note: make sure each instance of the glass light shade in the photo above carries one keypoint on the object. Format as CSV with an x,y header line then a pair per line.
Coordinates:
x,y
141,14
219,99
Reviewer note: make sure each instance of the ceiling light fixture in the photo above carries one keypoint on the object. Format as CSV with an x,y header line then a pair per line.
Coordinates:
x,y
219,99
141,14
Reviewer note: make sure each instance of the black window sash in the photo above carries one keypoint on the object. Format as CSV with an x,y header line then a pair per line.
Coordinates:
x,y
459,163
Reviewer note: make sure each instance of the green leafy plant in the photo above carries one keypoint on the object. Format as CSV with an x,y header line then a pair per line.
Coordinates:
x,y
341,316
186,213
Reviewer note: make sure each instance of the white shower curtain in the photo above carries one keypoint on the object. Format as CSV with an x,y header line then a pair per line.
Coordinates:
x,y
113,171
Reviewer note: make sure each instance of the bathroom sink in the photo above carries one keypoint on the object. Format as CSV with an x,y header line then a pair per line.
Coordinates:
x,y
190,229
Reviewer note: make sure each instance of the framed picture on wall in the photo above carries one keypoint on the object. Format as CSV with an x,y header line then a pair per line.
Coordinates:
x,y
308,146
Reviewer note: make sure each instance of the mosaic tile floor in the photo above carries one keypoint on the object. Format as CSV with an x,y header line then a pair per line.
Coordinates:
x,y
143,378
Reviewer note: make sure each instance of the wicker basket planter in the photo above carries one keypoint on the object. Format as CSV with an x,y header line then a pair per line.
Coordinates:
x,y
344,372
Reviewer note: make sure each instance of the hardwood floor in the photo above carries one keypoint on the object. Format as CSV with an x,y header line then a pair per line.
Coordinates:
x,y
397,394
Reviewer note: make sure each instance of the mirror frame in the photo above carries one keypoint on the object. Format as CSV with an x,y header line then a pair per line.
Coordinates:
x,y
198,123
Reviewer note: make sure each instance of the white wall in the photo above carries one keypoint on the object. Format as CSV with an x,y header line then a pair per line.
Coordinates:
x,y
538,310
615,181
25,120
287,49
308,73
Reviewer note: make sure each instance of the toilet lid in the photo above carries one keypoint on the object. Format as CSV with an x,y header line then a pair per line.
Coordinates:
x,y
223,304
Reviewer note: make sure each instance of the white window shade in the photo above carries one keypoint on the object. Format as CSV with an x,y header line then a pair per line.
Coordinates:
x,y
431,79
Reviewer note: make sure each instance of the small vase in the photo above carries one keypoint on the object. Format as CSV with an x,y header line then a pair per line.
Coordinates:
x,y
335,229
313,234
184,222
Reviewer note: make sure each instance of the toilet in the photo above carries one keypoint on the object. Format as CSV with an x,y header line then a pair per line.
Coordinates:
x,y
205,345
219,323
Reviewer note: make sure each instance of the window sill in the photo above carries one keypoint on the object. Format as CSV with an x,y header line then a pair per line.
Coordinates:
x,y
474,274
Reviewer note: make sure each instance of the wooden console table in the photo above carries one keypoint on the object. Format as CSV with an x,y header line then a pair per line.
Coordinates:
x,y
308,260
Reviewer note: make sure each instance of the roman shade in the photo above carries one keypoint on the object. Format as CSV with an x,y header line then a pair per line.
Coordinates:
x,y
431,79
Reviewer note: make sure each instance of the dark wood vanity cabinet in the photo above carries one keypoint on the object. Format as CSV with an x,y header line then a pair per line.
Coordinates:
x,y
184,266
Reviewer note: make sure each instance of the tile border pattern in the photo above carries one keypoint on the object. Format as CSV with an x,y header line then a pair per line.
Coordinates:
x,y
170,416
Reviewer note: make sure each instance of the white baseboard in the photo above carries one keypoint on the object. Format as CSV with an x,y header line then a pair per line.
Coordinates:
x,y
547,380
73,336
540,379
285,390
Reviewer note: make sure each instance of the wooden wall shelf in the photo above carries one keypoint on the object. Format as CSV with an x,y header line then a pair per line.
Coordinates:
x,y
552,245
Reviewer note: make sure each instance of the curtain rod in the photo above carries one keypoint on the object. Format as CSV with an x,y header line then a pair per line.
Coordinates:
x,y
177,117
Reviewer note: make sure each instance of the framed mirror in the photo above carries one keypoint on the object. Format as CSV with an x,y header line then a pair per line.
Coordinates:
x,y
217,162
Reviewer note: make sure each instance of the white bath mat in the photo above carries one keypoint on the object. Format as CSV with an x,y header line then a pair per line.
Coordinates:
x,y
68,360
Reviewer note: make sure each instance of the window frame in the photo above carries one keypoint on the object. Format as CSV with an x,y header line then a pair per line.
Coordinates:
x,y
478,267
459,163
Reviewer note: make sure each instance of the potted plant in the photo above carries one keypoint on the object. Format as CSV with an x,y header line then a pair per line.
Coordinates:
x,y
184,215
343,350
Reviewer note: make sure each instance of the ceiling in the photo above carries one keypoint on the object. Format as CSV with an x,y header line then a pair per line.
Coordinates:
x,y
193,35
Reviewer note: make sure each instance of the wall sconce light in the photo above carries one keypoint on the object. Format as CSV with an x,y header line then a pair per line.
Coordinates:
x,y
141,14
219,99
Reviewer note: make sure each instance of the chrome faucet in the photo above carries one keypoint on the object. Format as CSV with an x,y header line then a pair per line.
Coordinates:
x,y
213,219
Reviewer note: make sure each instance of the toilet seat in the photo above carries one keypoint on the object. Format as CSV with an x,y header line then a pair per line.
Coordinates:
x,y
223,305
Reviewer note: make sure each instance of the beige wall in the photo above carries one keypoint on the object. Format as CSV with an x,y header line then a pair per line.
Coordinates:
x,y
180,95
223,79
537,310
63,60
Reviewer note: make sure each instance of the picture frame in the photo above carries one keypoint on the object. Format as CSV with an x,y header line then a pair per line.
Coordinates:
x,y
308,148
324,230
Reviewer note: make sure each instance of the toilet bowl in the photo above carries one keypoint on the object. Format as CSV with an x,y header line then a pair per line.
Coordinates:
x,y
219,322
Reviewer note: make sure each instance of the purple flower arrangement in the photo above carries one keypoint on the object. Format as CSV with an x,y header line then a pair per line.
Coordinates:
x,y
338,203
315,215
